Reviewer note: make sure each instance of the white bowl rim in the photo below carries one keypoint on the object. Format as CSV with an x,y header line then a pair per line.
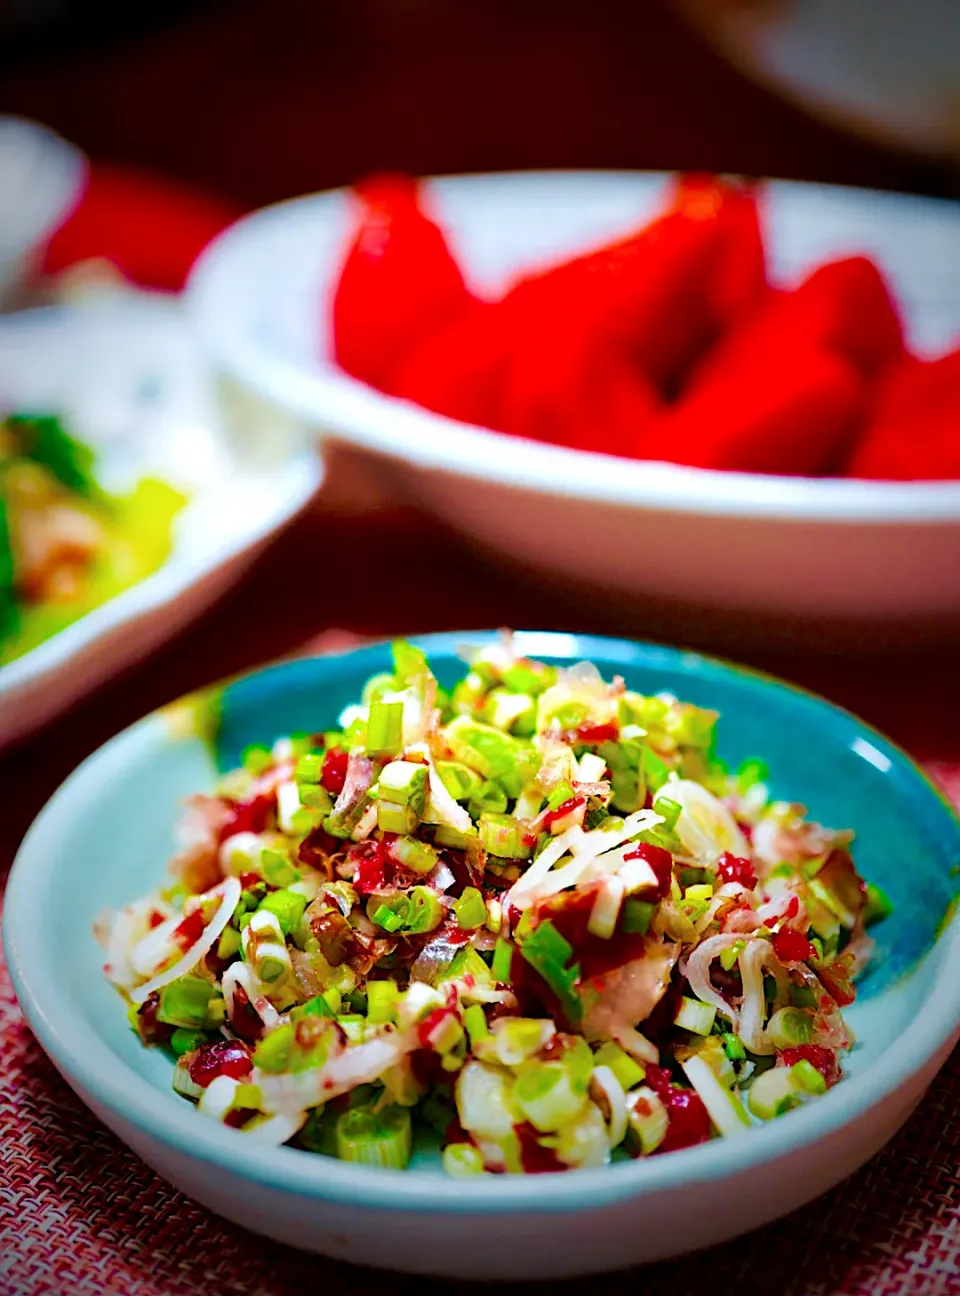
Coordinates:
x,y
357,413
86,1060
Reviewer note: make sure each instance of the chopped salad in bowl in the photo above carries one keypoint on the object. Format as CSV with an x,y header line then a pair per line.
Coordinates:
x,y
533,912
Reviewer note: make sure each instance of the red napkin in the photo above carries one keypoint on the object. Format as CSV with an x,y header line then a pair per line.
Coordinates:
x,y
151,228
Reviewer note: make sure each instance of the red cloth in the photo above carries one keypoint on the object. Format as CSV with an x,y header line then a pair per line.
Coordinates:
x,y
152,229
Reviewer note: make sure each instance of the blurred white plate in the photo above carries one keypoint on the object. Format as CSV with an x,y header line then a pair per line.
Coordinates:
x,y
126,374
787,547
41,179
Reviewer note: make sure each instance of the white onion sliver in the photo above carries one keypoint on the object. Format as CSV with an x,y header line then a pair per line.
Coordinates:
x,y
359,1064
241,974
274,1130
443,805
230,890
604,1078
697,972
637,1045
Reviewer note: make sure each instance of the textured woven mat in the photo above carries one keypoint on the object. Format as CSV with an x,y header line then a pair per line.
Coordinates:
x,y
80,1214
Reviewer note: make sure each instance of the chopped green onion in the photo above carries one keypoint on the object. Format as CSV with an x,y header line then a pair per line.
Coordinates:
x,y
562,793
729,956
409,662
789,1027
470,909
277,868
654,771
384,729
459,780
309,768
475,1021
462,1160
494,754
802,997
546,1097
529,677
272,1053
878,905
185,1041
502,961
382,999
415,855
185,1002
775,1092
318,1006
733,1047
808,1077
670,810
489,796
426,911
504,836
511,711
380,1138
627,1072
228,944
288,906
548,953
404,782
376,686
257,759
692,1015
453,838
393,915
316,798
395,818
636,915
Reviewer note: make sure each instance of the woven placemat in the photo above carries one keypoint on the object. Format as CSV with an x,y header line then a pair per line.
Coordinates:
x,y
81,1214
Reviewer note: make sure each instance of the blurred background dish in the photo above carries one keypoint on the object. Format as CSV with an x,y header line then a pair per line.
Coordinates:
x,y
42,178
793,548
888,69
124,373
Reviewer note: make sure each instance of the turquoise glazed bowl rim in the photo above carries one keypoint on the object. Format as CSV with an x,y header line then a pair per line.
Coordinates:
x,y
92,1066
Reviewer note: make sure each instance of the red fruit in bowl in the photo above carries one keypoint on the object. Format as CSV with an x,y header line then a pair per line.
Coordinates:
x,y
793,413
915,430
399,281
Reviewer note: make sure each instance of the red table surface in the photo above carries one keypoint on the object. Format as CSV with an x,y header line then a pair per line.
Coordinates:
x,y
79,1213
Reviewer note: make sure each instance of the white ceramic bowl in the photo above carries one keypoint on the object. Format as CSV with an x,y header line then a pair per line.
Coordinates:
x,y
42,180
105,837
790,547
126,373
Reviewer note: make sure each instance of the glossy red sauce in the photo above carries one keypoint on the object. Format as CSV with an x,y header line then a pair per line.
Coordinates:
x,y
534,1157
731,868
595,734
334,772
574,803
240,1116
661,862
249,816
224,1057
189,931
791,946
824,1059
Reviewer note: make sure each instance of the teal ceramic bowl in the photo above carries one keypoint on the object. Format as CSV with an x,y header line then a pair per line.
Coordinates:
x,y
105,836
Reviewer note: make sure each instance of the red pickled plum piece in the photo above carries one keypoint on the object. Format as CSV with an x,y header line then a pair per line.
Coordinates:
x,y
224,1057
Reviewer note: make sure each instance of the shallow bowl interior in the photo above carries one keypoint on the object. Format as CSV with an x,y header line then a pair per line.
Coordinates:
x,y
106,835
